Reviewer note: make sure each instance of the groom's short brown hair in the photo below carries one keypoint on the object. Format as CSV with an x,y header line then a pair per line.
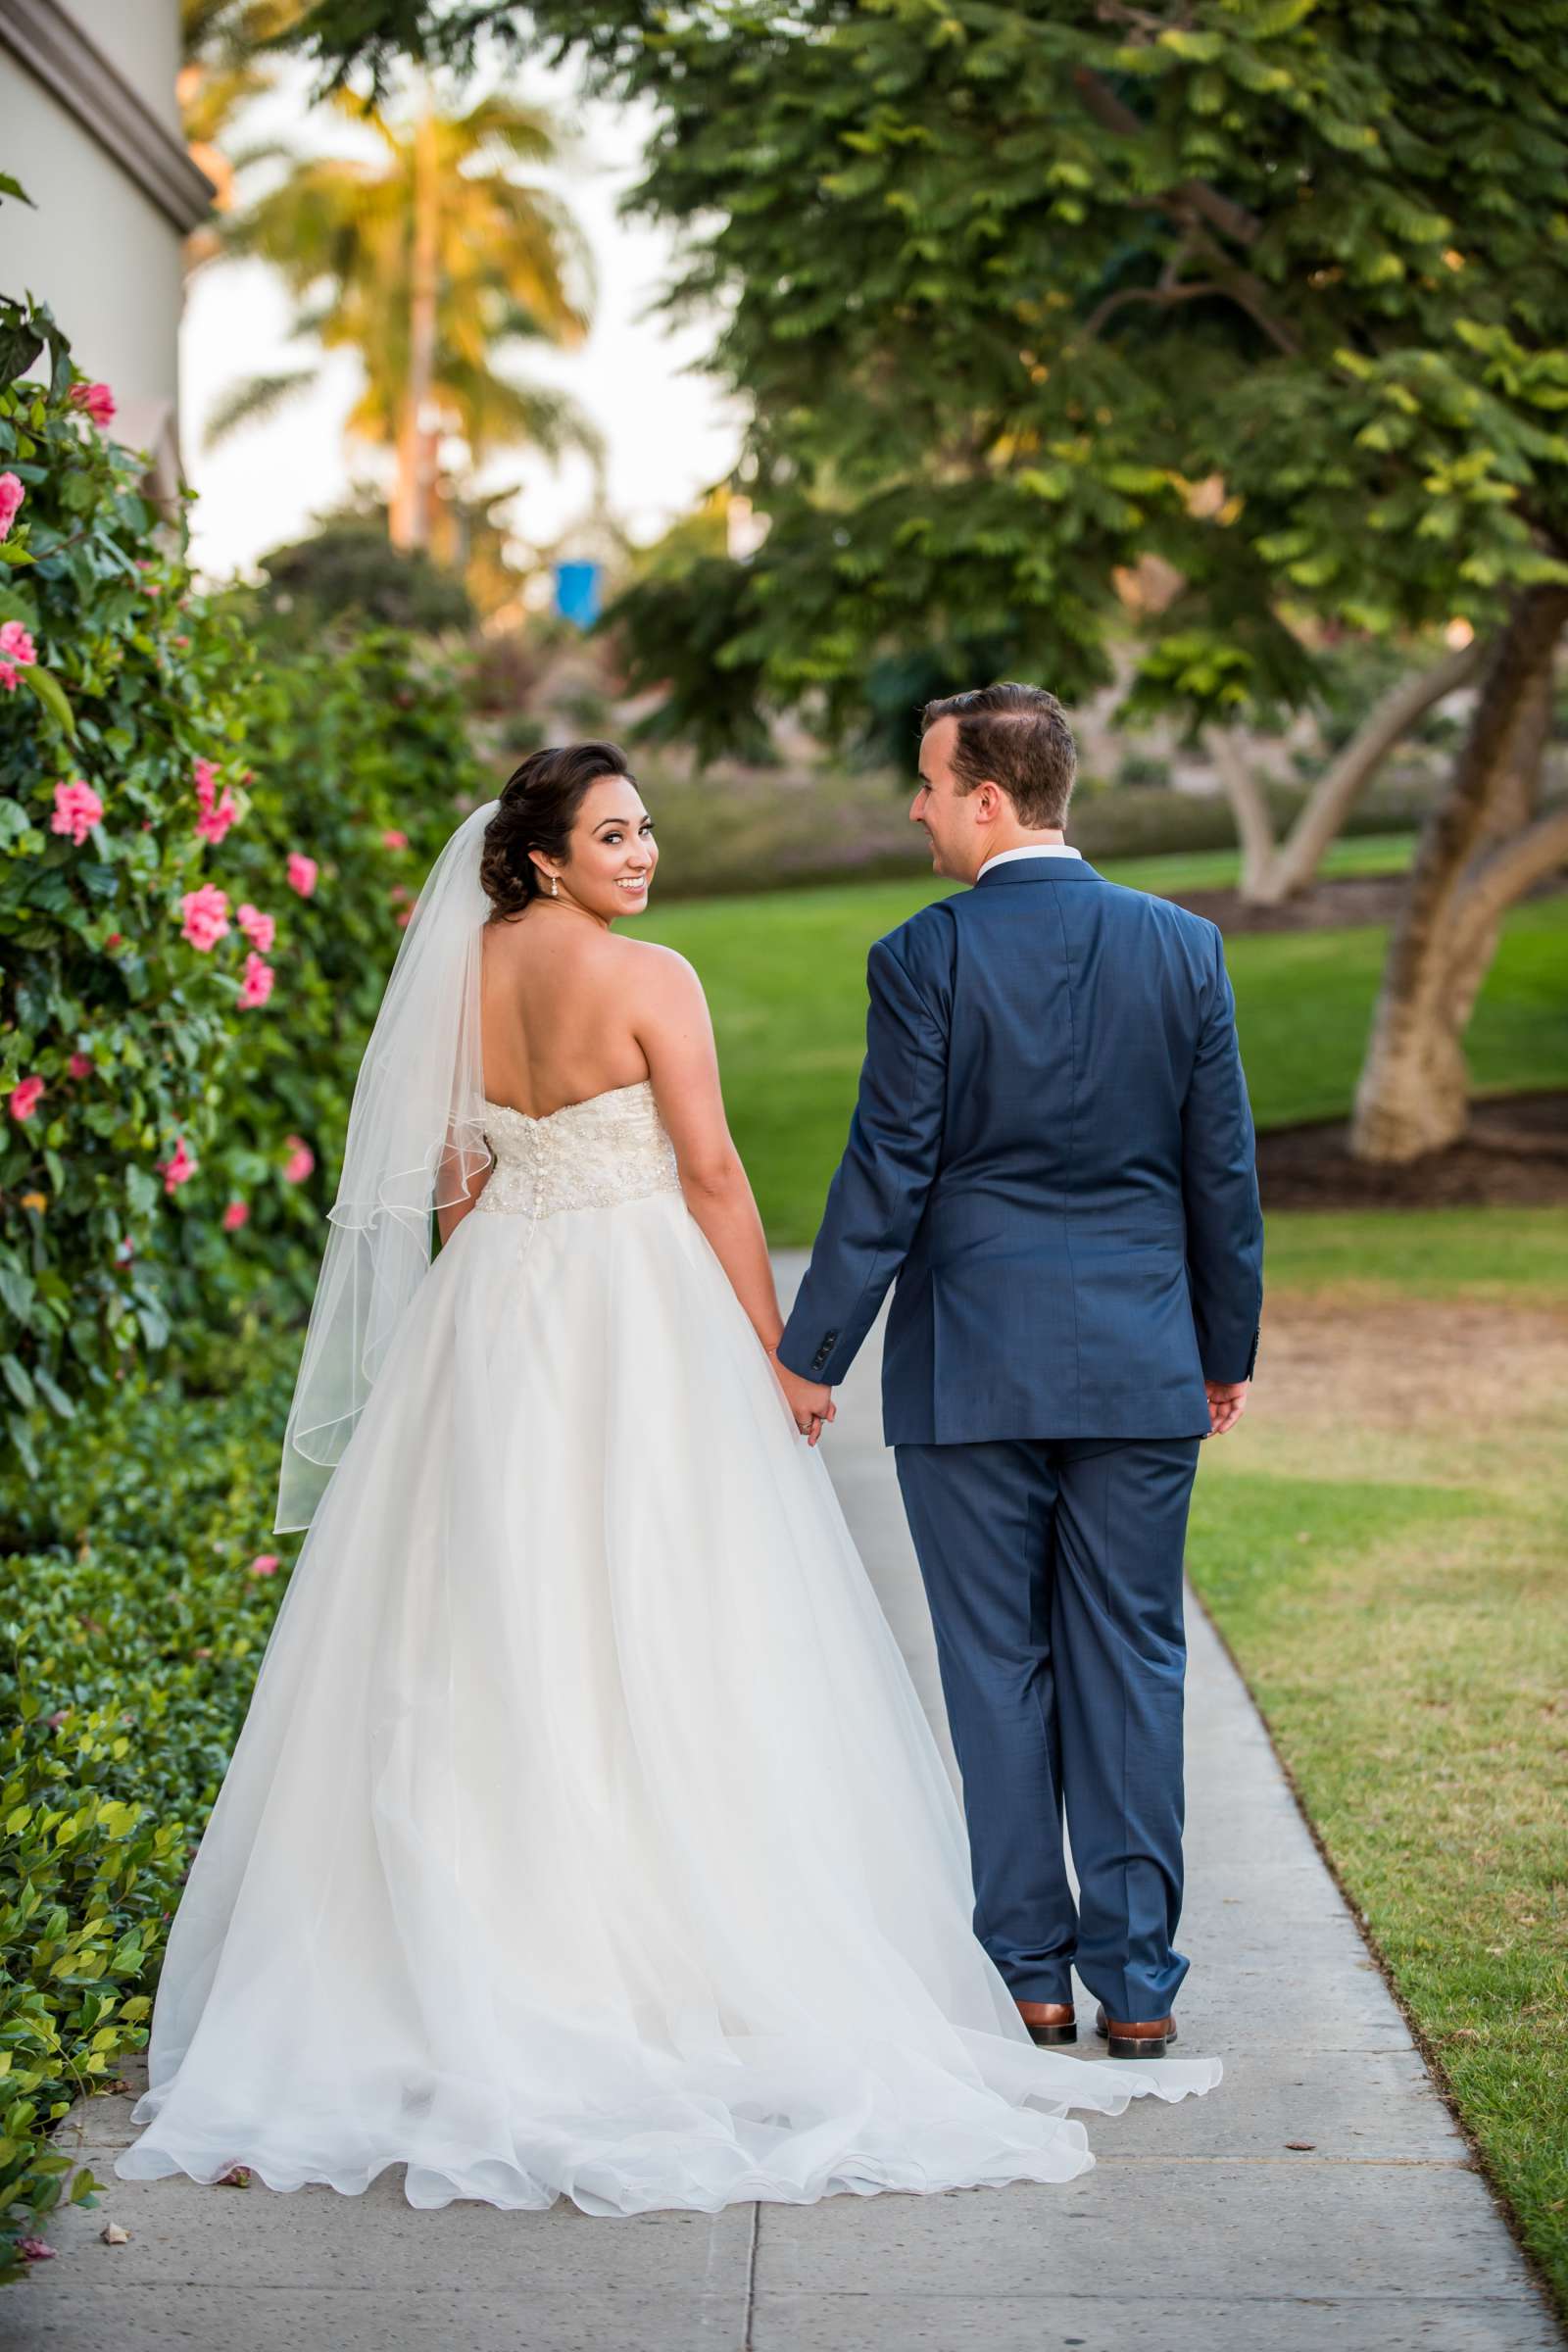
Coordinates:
x,y
1017,737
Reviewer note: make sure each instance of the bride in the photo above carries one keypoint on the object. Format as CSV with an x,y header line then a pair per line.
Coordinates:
x,y
586,1835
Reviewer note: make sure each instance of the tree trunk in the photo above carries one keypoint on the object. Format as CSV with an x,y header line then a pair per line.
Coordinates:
x,y
1254,827
1293,867
1521,851
410,498
1413,1094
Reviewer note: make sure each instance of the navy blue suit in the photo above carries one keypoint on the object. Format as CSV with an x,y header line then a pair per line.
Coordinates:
x,y
1051,1158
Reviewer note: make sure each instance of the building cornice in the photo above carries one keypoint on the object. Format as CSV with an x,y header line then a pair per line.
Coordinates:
x,y
55,50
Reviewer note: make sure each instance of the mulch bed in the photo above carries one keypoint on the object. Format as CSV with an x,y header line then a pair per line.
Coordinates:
x,y
1514,1157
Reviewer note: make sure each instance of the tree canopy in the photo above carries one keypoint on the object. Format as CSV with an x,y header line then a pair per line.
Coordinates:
x,y
1018,294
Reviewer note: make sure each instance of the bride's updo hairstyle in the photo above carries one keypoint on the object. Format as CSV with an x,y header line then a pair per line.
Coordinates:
x,y
539,805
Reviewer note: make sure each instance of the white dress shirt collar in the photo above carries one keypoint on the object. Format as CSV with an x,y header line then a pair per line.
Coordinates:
x,y
1030,849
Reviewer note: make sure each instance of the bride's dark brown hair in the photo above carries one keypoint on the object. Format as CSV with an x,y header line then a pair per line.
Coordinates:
x,y
539,805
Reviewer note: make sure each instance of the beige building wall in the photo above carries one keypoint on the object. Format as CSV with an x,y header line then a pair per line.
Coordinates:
x,y
92,132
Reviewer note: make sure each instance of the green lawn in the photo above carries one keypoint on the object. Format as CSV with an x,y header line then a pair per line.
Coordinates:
x,y
1381,1544
785,975
1219,869
1490,1256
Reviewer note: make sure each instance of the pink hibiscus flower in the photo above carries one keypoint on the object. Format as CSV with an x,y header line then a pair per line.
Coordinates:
x,y
205,914
302,872
258,928
80,1066
392,839
213,823
300,1162
266,1563
23,1100
77,808
257,985
96,399
11,495
178,1168
16,644
236,1215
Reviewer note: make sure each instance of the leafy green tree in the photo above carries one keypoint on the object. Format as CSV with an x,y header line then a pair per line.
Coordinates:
x,y
1016,290
433,265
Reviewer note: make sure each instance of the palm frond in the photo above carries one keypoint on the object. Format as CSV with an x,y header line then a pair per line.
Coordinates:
x,y
251,402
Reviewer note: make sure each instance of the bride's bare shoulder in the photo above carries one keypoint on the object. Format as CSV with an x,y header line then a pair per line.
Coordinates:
x,y
659,967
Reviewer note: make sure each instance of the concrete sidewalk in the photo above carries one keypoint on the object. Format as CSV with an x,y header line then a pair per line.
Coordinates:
x,y
1198,2226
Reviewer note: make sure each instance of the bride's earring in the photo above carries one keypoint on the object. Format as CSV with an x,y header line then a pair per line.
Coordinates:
x,y
555,886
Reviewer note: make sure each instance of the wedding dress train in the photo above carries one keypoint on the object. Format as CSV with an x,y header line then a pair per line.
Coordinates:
x,y
585,1835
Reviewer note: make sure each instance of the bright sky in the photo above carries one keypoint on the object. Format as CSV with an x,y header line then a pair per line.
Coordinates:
x,y
670,434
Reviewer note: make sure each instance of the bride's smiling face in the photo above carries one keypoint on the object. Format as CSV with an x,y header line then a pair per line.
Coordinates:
x,y
614,853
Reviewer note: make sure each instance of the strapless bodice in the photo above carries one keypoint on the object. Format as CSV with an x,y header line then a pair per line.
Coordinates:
x,y
610,1147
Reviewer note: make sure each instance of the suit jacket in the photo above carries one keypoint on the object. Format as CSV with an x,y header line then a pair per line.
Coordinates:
x,y
1052,1154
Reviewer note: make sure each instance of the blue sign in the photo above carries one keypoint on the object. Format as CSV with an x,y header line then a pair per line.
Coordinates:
x,y
577,593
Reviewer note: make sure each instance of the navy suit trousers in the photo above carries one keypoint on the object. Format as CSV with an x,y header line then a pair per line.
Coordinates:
x,y
1052,1567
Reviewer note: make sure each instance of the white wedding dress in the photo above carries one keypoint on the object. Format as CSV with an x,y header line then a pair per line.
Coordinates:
x,y
585,1835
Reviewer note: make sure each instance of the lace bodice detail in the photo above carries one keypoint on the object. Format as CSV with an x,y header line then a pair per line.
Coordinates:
x,y
613,1146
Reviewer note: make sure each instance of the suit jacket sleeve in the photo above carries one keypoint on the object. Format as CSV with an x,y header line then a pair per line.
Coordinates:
x,y
1220,1188
879,1188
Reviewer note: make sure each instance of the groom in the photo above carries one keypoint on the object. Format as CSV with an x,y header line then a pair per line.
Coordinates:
x,y
1051,1152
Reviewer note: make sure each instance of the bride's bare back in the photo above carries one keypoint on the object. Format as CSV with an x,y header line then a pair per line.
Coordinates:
x,y
556,1022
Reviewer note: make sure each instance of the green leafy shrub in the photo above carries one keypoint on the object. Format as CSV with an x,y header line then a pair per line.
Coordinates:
x,y
362,769
114,1028
348,568
131,1625
169,1091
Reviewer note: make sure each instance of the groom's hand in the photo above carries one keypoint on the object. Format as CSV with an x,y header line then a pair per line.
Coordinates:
x,y
808,1399
1227,1402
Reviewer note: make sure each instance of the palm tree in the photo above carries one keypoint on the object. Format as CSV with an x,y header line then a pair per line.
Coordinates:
x,y
427,264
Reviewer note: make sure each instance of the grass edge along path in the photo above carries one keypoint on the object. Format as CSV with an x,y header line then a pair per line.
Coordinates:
x,y
1392,1598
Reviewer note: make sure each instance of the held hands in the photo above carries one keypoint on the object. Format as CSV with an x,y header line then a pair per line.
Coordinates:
x,y
808,1399
1227,1402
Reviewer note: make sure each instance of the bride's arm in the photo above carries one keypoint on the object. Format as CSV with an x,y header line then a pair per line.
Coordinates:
x,y
674,1030
450,1215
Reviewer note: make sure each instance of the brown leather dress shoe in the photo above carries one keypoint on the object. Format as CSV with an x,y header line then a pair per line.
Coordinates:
x,y
1049,2021
1148,2040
